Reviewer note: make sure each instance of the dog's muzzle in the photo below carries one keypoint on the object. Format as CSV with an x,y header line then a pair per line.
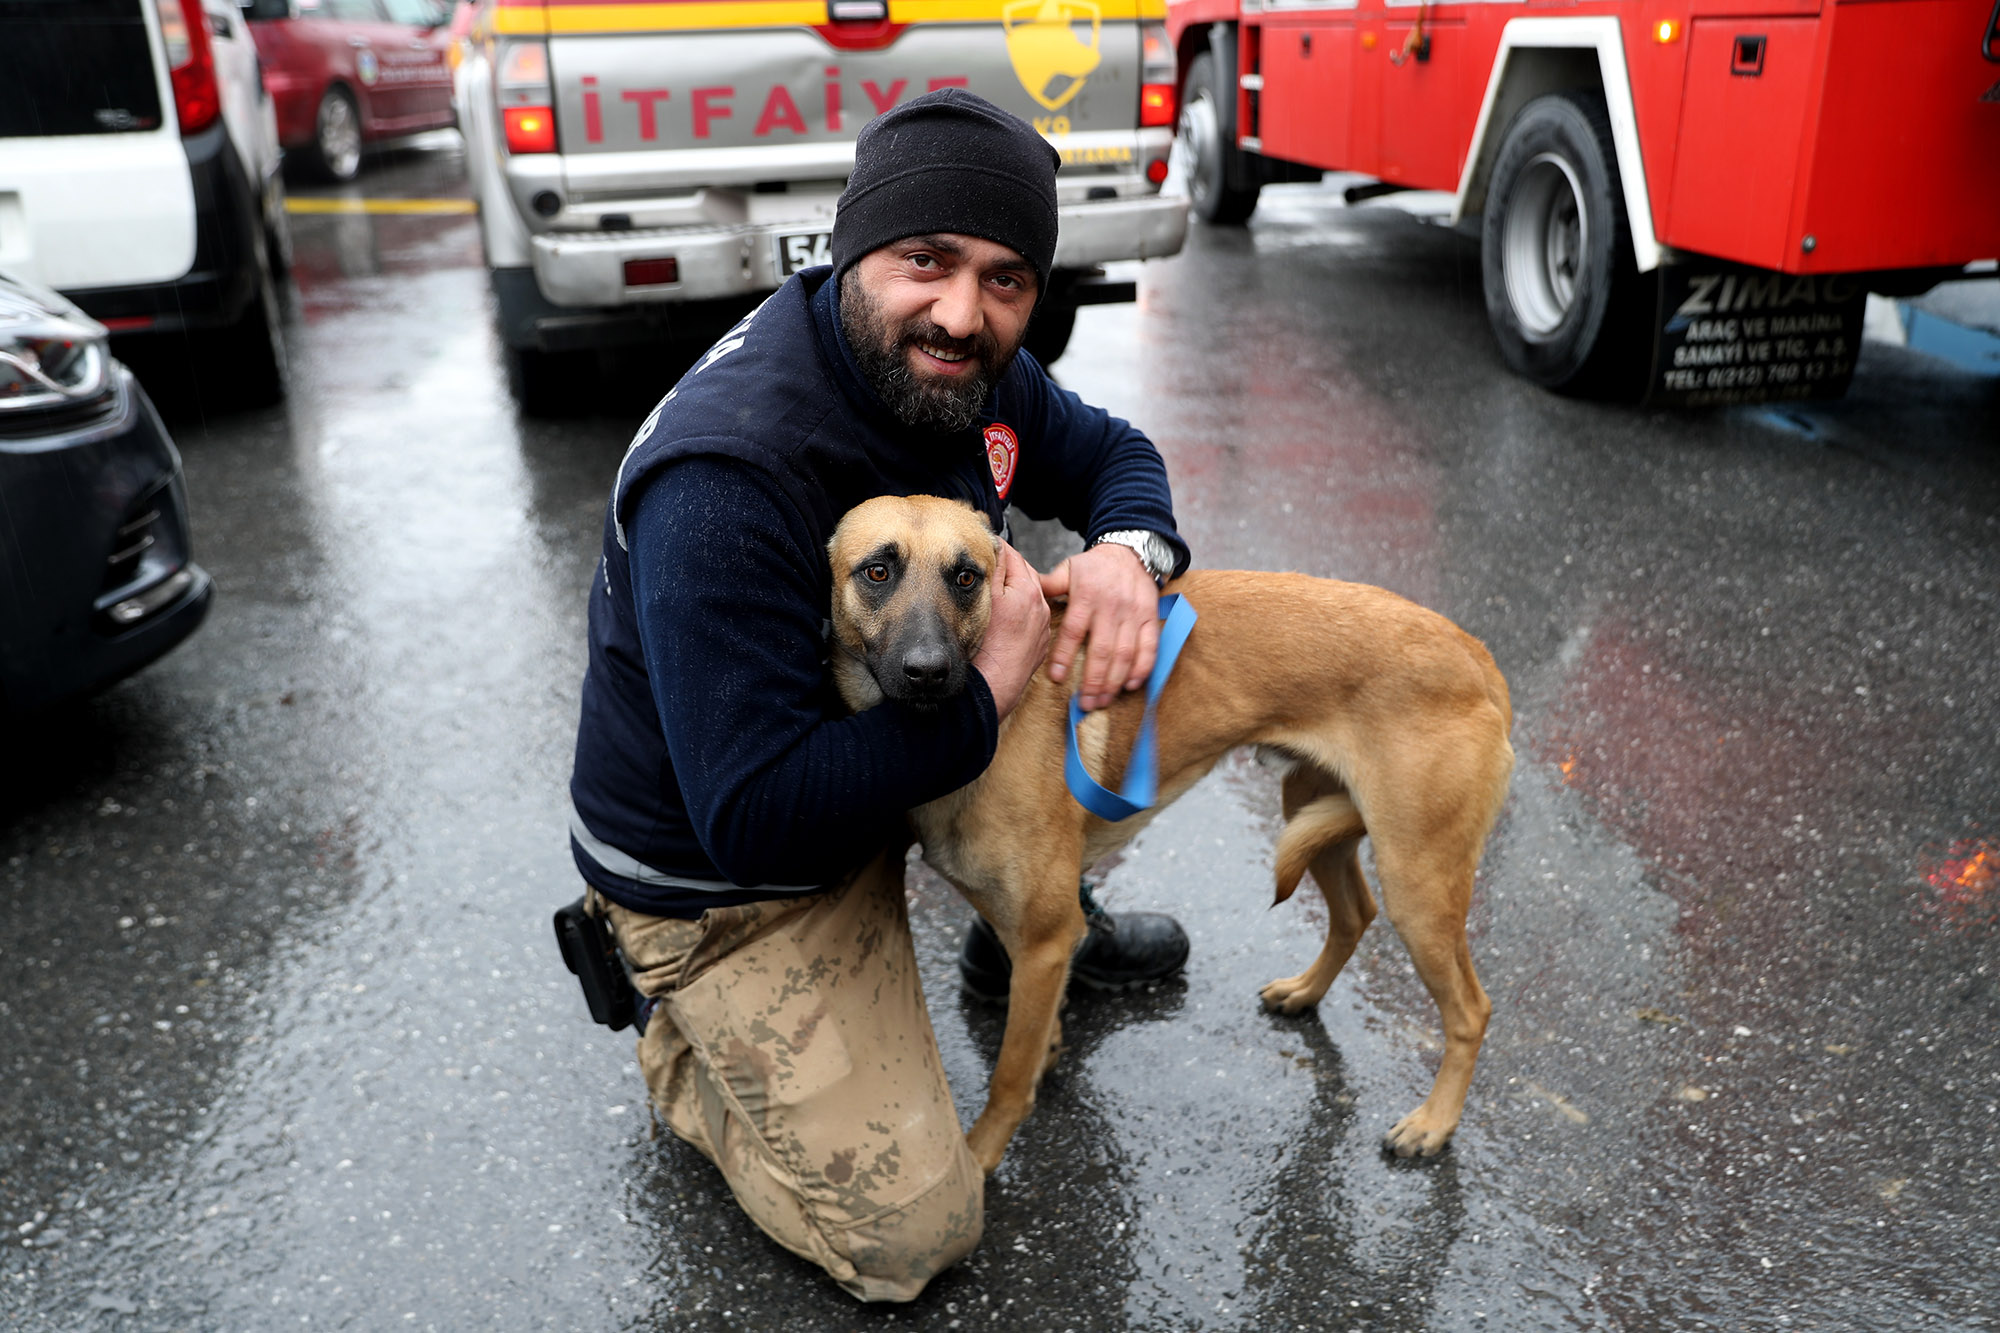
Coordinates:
x,y
921,667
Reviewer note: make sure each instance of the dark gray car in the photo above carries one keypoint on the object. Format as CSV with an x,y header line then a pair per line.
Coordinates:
x,y
96,578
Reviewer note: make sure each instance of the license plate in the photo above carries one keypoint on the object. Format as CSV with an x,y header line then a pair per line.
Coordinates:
x,y
803,249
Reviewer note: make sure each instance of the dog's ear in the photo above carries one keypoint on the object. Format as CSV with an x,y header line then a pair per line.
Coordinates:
x,y
992,523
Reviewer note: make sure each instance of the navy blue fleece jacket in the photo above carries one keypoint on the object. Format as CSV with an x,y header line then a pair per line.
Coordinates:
x,y
714,763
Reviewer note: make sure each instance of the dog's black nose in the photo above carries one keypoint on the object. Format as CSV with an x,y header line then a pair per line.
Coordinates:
x,y
927,668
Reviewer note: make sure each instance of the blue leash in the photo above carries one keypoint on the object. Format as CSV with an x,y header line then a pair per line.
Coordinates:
x,y
1142,774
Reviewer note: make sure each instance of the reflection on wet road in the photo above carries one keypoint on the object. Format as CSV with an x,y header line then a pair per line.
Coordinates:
x,y
285,1042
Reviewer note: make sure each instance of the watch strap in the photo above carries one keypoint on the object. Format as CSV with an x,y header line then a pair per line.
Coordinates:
x,y
1151,548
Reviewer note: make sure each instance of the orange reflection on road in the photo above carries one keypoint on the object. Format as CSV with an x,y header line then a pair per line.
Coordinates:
x,y
1963,882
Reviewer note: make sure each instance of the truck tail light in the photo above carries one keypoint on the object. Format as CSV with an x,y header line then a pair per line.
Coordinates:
x,y
524,70
197,97
1156,76
530,129
652,272
527,104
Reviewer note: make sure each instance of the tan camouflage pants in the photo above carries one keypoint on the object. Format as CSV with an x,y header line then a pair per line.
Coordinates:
x,y
791,1045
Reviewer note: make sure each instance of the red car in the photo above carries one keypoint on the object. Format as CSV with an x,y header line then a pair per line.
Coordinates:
x,y
344,73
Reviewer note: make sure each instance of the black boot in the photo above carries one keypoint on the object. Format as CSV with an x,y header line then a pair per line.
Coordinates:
x,y
1117,953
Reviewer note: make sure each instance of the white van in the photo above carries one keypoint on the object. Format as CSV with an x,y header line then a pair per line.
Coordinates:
x,y
139,175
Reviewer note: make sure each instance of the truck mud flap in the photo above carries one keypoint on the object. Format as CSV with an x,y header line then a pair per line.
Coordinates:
x,y
1727,333
1081,287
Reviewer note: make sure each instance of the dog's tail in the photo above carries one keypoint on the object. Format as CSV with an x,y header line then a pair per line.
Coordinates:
x,y
1315,826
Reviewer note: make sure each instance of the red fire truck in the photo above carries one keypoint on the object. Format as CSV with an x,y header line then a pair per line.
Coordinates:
x,y
1688,199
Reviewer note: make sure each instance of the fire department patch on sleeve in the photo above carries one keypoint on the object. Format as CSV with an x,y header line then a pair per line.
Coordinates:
x,y
1003,451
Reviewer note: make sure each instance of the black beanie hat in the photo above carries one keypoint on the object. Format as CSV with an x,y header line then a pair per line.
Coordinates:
x,y
949,161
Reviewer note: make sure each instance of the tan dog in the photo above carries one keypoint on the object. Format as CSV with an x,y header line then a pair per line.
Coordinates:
x,y
1395,721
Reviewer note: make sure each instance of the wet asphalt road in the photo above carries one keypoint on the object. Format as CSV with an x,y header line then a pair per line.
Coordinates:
x,y
284,1041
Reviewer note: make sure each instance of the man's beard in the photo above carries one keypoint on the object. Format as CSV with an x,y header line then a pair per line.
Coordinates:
x,y
917,399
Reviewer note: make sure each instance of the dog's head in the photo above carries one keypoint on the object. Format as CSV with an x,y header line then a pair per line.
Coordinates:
x,y
912,595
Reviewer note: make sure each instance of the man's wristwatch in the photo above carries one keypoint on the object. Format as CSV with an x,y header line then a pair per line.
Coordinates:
x,y
1151,548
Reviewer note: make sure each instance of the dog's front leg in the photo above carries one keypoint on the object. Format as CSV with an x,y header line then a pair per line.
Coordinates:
x,y
1045,930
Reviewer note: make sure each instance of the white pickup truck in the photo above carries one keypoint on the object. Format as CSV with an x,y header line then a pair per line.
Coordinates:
x,y
646,168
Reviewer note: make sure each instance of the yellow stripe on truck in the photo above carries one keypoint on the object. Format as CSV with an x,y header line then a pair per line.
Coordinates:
x,y
661,18
990,11
381,207
696,14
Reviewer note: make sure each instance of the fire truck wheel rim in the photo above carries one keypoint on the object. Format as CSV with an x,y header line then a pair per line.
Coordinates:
x,y
1200,136
1545,244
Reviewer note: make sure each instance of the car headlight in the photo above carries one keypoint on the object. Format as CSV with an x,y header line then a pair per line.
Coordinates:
x,y
49,359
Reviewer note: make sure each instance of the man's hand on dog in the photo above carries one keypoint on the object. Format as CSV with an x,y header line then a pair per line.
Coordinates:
x,y
1114,604
1017,637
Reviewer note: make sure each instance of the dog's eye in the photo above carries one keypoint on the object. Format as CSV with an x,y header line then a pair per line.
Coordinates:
x,y
966,578
877,573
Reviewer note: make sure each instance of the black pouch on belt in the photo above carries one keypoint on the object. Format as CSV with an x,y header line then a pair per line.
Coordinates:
x,y
590,953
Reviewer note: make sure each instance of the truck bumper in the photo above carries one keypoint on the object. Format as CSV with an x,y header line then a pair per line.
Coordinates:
x,y
1150,227
586,270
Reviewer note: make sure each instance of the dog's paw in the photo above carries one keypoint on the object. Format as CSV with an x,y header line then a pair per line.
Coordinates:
x,y
1416,1136
1289,995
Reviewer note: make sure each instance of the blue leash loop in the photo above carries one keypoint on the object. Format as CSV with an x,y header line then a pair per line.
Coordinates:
x,y
1142,774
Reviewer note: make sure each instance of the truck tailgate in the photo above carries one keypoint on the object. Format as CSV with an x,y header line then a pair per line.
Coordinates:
x,y
768,103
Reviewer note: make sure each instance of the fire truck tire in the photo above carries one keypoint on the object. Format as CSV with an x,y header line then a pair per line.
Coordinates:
x,y
1562,292
1207,132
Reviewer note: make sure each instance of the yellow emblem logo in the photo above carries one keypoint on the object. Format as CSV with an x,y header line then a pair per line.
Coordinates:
x,y
1050,59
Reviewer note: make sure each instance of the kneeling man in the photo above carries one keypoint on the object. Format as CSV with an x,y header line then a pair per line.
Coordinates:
x,y
744,838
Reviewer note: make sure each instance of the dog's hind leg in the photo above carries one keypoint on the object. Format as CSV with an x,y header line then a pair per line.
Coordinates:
x,y
1349,909
1428,892
1039,940
1322,830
